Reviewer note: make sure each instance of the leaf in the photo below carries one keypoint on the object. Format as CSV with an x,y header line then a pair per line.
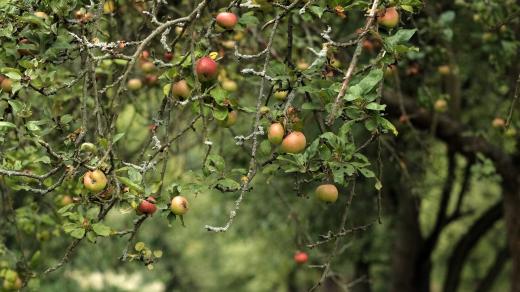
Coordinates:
x,y
367,172
126,181
7,125
78,233
117,137
400,37
387,125
228,184
219,95
375,106
101,229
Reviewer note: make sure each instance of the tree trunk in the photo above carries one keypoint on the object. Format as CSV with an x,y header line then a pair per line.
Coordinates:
x,y
512,218
407,244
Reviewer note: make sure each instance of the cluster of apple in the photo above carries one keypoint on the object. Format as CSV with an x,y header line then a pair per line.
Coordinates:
x,y
96,181
148,68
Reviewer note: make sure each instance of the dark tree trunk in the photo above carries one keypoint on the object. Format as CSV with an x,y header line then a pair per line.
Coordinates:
x,y
512,218
407,244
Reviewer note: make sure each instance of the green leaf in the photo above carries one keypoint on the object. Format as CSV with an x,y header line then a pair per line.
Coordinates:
x,y
4,124
78,233
400,37
219,95
375,106
101,229
367,172
117,137
228,184
129,183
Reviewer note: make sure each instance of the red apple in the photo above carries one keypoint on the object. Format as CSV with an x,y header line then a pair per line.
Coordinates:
x,y
147,206
227,20
168,56
6,85
301,257
294,142
388,17
206,68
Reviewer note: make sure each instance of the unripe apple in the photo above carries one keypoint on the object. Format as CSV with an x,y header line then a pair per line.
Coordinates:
x,y
151,79
388,17
79,14
206,68
264,110
302,65
135,84
275,133
95,181
498,123
147,206
88,147
7,85
168,56
444,69
229,85
227,20
179,205
301,257
294,142
280,94
440,105
229,44
41,14
181,89
327,193
66,200
178,29
147,66
230,120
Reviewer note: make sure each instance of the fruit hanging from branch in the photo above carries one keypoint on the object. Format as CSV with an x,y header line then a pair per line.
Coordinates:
x,y
179,205
227,20
327,193
294,143
206,69
147,206
275,133
95,181
388,17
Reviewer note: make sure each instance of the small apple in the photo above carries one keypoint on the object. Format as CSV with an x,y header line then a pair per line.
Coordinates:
x,y
66,200
294,142
147,206
181,89
229,85
178,30
88,147
229,44
327,193
95,181
151,79
275,133
336,63
280,94
6,85
498,123
301,257
264,110
145,55
227,20
135,84
87,17
440,105
147,66
444,70
179,205
302,65
388,17
206,68
41,14
230,120
168,56
79,14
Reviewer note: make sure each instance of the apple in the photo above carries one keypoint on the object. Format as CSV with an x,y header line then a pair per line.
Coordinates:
x,y
87,17
88,147
168,56
147,206
135,84
178,30
151,79
440,105
390,70
181,89
388,17
25,52
145,55
264,110
229,85
227,20
336,63
275,133
206,69
41,14
294,142
444,69
229,44
498,123
79,14
301,257
147,66
179,205
95,181
280,94
6,85
327,193
302,65
66,200
230,120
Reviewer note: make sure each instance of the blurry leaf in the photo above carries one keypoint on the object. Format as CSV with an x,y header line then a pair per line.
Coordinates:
x,y
78,233
101,229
